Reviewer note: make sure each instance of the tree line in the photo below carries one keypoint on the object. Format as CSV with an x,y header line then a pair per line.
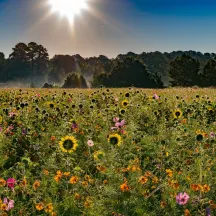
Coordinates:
x,y
30,63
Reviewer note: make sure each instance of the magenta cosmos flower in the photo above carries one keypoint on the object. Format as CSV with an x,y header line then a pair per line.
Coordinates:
x,y
182,198
11,182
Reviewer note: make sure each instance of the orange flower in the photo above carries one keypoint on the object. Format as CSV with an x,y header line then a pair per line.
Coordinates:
x,y
49,208
53,138
53,214
124,187
66,174
163,204
73,179
59,173
39,206
143,180
187,212
57,178
84,183
101,168
147,174
3,207
77,196
23,182
205,188
196,187
46,172
88,202
2,182
155,180
169,172
36,184
105,182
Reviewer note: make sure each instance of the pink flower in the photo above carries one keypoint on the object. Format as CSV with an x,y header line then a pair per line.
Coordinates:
x,y
182,198
116,119
10,204
11,182
156,96
212,134
120,124
90,143
1,129
11,114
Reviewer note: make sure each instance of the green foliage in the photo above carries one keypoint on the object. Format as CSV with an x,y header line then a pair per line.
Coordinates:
x,y
74,80
209,73
184,71
128,72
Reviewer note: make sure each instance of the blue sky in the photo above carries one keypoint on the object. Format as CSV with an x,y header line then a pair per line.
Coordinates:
x,y
111,27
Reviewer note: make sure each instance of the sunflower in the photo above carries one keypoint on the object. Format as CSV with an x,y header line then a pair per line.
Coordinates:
x,y
177,113
115,139
124,103
122,111
98,155
68,144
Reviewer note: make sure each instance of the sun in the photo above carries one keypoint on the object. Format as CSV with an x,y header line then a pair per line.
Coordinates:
x,y
68,8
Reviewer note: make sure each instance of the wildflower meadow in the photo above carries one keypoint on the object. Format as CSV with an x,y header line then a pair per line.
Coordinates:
x,y
108,152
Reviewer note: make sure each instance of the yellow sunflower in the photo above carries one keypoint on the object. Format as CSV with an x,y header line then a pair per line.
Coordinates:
x,y
124,103
177,113
68,144
98,155
115,139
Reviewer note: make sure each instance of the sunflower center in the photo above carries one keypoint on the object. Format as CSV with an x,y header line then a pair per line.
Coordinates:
x,y
68,144
113,140
178,113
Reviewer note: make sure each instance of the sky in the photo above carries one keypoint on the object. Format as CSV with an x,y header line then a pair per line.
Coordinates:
x,y
111,27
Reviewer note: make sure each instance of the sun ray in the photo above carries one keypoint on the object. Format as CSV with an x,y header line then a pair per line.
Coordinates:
x,y
68,8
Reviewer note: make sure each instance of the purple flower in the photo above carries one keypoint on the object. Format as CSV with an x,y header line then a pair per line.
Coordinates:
x,y
24,131
74,126
182,198
208,211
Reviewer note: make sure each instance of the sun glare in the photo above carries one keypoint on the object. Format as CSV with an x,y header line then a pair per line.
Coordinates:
x,y
68,8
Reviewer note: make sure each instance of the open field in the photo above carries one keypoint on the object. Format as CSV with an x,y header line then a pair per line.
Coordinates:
x,y
107,152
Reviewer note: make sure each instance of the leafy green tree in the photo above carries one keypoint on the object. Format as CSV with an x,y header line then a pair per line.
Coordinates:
x,y
19,52
208,77
83,83
101,79
128,72
184,71
72,81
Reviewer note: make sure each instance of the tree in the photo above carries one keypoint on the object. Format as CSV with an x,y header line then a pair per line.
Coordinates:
x,y
128,72
184,71
83,83
208,76
72,81
19,52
